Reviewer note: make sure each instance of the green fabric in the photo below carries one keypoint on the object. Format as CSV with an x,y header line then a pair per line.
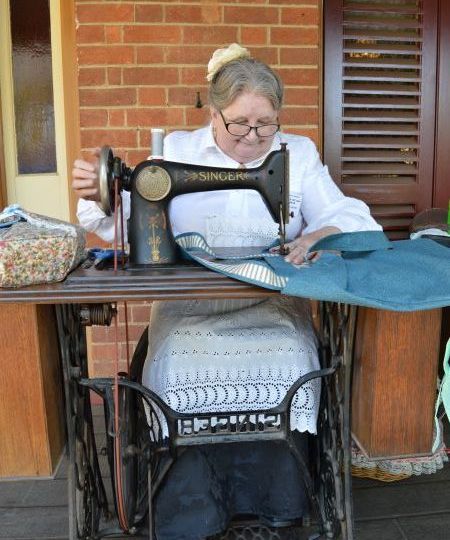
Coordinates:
x,y
443,397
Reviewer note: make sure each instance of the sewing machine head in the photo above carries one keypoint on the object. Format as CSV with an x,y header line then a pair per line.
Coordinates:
x,y
153,183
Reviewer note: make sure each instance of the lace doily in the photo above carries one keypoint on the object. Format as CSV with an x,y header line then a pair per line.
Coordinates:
x,y
237,232
402,466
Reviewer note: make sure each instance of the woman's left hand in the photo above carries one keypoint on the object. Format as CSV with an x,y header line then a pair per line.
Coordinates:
x,y
298,248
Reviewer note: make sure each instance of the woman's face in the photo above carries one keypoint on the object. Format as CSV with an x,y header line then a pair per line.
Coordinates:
x,y
253,110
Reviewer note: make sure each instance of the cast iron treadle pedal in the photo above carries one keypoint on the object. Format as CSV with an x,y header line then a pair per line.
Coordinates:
x,y
255,531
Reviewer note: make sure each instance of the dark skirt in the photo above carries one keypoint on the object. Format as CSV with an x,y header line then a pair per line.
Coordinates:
x,y
209,486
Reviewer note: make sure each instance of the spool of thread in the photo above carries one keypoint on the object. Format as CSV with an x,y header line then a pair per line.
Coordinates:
x,y
157,143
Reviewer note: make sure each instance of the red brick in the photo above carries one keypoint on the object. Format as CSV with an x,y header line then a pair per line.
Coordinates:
x,y
269,55
113,34
117,138
120,312
123,355
114,75
215,35
92,240
102,334
134,333
101,367
301,96
253,35
133,157
141,313
94,398
145,13
108,96
111,54
183,14
311,132
91,34
287,2
291,35
193,75
188,55
112,12
150,75
150,55
152,96
212,13
301,16
106,351
251,15
163,34
91,76
93,118
186,96
300,76
144,138
116,117
157,117
300,55
300,115
197,117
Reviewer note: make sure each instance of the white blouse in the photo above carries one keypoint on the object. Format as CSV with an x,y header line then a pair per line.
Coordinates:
x,y
226,217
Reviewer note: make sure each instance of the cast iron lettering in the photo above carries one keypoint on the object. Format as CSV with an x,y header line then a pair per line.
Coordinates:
x,y
242,423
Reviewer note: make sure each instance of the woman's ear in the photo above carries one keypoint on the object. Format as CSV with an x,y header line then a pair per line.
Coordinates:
x,y
214,113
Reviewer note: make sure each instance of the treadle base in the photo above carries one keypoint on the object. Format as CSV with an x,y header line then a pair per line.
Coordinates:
x,y
255,531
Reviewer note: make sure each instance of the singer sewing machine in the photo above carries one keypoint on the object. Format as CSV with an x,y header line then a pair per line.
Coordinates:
x,y
154,183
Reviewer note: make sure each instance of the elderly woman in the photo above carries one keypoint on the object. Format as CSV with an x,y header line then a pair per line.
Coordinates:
x,y
230,355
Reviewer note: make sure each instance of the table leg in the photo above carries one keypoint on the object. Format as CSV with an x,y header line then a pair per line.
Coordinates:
x,y
334,463
87,497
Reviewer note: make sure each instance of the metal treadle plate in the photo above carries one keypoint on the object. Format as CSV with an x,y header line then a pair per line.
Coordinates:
x,y
254,531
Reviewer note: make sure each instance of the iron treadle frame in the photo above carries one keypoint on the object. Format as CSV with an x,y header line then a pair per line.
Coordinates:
x,y
328,483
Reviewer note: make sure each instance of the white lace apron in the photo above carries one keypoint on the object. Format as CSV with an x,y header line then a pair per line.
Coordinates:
x,y
234,355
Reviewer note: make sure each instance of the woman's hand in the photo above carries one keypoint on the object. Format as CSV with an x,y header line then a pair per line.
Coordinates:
x,y
85,177
298,248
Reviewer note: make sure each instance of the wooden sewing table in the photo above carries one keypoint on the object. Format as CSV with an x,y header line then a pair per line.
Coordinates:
x,y
83,299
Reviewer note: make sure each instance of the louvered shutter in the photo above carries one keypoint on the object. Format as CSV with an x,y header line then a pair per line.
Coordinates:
x,y
379,103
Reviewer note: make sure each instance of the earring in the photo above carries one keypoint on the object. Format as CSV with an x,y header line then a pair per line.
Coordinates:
x,y
214,130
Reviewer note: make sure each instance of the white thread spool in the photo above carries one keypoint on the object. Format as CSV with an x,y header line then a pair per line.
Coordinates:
x,y
157,143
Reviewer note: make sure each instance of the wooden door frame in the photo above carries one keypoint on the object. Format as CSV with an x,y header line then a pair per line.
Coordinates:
x,y
441,187
71,93
2,164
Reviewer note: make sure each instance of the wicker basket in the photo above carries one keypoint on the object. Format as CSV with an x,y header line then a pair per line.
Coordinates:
x,y
375,473
392,470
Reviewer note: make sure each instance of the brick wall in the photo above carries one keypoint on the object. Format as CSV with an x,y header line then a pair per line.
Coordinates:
x,y
141,65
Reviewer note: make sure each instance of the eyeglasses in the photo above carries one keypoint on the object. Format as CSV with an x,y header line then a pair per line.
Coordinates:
x,y
241,130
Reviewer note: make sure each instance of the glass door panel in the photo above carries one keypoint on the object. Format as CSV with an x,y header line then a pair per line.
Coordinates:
x,y
33,86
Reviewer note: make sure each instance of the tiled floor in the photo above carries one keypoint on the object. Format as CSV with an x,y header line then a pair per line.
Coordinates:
x,y
413,509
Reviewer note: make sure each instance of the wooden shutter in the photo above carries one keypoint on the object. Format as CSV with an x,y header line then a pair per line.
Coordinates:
x,y
379,104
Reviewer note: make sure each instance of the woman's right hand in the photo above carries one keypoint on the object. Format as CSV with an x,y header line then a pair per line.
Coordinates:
x,y
85,180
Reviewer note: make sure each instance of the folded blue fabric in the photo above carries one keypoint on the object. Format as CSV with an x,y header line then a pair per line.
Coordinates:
x,y
406,275
412,275
356,241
